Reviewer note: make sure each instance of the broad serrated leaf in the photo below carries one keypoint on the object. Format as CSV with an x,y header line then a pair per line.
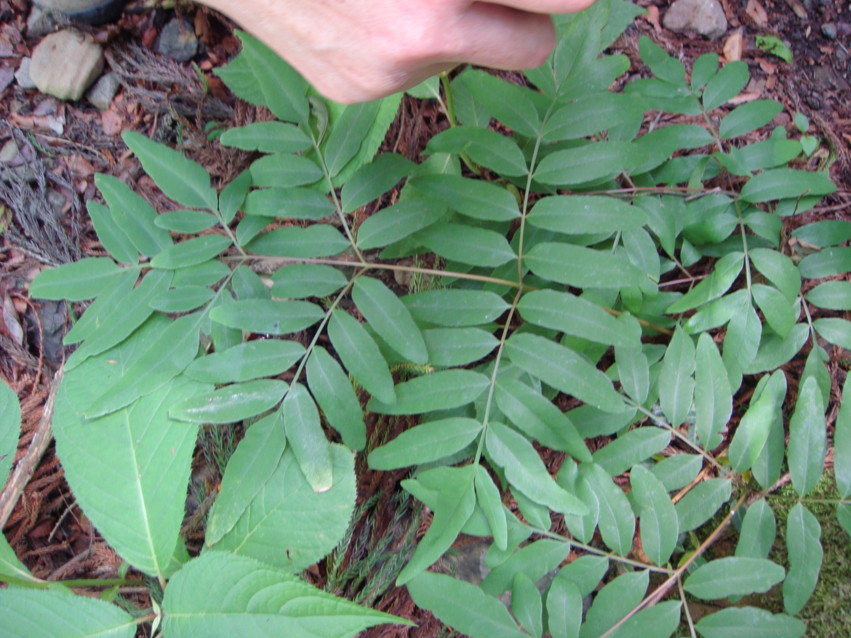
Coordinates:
x,y
336,397
247,361
563,369
702,502
110,234
425,443
533,414
399,221
456,499
267,137
455,307
759,529
130,469
725,85
166,350
232,403
361,356
749,622
220,594
489,501
582,214
467,244
470,197
319,240
676,380
463,606
178,177
389,318
617,523
263,316
288,203
77,281
842,444
807,438
785,183
525,470
442,390
733,576
373,180
582,267
574,316
484,146
713,397
753,429
803,546
307,440
534,560
29,612
247,472
659,523
631,448
748,117
614,601
285,522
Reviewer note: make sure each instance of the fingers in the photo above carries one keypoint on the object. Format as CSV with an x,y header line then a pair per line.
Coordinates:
x,y
544,6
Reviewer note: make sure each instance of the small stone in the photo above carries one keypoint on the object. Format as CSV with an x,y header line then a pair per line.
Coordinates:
x,y
9,152
829,30
101,94
22,75
705,17
65,64
40,22
177,41
7,74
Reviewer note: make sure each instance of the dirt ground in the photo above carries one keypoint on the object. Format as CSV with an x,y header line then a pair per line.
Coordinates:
x,y
61,146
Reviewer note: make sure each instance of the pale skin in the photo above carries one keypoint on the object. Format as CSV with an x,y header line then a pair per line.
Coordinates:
x,y
359,50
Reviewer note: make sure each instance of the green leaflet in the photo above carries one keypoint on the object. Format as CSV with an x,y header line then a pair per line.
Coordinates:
x,y
631,448
288,203
725,85
719,281
361,356
458,346
490,502
77,281
803,545
348,134
191,252
779,314
467,244
753,429
617,522
230,404
564,609
425,443
614,601
633,372
534,561
759,529
659,523
524,470
563,369
187,222
263,316
113,238
306,438
453,307
319,240
484,146
441,390
526,605
675,472
582,267
182,299
832,295
779,270
373,180
749,622
455,502
702,502
785,183
509,103
463,606
733,576
748,117
10,429
834,330
389,318
267,137
306,280
336,396
247,361
807,438
260,520
590,114
676,381
842,444
589,162
580,214
399,221
713,397
222,594
29,612
281,170
661,620
472,198
133,215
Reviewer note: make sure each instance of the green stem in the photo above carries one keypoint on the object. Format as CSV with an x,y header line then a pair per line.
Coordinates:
x,y
599,552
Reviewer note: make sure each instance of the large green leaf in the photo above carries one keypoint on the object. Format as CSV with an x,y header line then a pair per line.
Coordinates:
x,y
582,267
29,612
232,403
220,594
247,472
563,369
613,602
307,440
749,622
590,114
361,356
779,269
390,318
178,177
110,234
748,117
10,429
336,396
246,361
425,443
12,570
733,576
803,545
129,470
725,85
807,438
832,295
441,390
463,606
284,522
659,523
527,605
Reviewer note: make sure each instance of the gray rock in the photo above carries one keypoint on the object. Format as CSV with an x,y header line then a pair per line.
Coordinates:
x,y
177,41
22,75
65,64
829,30
705,17
40,22
7,74
101,94
9,152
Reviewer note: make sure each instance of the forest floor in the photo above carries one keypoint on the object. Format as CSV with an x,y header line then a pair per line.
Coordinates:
x,y
61,146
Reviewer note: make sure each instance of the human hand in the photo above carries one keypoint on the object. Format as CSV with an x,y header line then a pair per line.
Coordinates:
x,y
359,50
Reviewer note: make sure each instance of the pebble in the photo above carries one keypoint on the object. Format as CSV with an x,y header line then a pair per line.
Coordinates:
x,y
101,94
22,75
705,17
829,30
40,22
9,152
177,41
65,64
7,74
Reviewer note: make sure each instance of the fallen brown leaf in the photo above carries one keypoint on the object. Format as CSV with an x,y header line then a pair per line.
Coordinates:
x,y
757,13
734,46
